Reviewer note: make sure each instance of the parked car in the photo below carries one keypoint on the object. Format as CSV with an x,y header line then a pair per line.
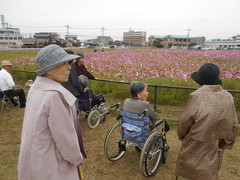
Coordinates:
x,y
209,48
174,47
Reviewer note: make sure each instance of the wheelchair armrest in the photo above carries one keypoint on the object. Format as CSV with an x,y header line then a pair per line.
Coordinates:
x,y
156,124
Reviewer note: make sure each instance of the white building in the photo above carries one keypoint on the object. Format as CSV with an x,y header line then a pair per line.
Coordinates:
x,y
227,44
10,37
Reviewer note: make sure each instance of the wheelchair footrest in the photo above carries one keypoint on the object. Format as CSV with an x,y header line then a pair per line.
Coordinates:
x,y
121,146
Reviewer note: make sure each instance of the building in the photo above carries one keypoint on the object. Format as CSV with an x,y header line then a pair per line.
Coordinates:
x,y
226,44
179,41
197,40
72,40
91,42
176,40
10,37
42,39
133,38
155,40
104,40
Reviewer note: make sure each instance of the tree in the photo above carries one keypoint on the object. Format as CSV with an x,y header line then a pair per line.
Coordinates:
x,y
157,44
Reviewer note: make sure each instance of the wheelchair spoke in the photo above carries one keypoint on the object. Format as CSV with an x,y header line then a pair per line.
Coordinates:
x,y
151,155
93,118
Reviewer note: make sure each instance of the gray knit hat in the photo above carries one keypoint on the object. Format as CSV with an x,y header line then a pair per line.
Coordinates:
x,y
50,57
83,80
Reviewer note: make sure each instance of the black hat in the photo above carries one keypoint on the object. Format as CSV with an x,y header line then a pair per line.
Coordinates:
x,y
81,56
208,74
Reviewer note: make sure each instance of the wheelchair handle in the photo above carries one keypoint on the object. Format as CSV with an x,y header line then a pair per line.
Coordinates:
x,y
159,122
115,105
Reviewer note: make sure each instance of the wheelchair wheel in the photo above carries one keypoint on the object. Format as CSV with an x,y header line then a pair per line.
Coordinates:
x,y
151,155
114,145
93,118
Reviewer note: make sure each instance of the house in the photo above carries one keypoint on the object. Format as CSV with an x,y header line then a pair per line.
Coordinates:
x,y
104,40
154,40
176,40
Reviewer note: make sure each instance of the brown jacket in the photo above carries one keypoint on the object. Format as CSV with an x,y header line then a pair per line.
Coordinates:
x,y
208,122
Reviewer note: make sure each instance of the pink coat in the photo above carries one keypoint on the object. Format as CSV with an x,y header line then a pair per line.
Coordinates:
x,y
49,143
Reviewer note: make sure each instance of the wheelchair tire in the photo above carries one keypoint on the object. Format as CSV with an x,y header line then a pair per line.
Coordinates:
x,y
151,155
94,118
114,145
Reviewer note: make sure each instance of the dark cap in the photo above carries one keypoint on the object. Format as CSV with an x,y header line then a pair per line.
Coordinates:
x,y
208,74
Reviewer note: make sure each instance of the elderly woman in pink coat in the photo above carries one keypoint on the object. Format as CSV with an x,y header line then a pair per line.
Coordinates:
x,y
51,142
207,127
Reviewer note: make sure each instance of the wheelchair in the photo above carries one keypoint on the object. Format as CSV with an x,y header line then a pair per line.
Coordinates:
x,y
94,107
137,130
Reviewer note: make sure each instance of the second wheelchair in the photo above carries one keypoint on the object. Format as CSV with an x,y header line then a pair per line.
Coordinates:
x,y
94,106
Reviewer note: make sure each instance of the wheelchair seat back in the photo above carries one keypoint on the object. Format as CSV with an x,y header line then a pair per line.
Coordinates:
x,y
97,100
135,127
84,101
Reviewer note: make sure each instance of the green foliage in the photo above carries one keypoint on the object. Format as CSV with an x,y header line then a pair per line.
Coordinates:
x,y
157,44
12,55
24,60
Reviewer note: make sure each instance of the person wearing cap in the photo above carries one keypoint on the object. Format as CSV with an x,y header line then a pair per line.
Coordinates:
x,y
207,126
80,67
7,85
51,141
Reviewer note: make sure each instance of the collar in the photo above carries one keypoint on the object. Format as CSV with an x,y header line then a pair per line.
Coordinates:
x,y
45,84
4,70
213,88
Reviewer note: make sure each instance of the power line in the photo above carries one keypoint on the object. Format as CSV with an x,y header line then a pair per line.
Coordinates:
x,y
119,30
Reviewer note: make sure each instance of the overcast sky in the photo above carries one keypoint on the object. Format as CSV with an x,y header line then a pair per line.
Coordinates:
x,y
87,18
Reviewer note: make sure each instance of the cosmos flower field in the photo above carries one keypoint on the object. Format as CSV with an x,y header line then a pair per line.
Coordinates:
x,y
154,66
147,64
160,66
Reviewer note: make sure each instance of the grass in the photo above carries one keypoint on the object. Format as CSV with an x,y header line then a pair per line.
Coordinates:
x,y
97,166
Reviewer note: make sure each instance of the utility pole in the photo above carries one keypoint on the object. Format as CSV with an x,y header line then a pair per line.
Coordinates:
x,y
188,34
67,29
103,31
